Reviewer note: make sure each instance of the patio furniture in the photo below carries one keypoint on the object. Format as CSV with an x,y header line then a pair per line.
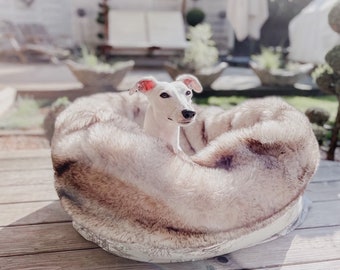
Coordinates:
x,y
25,40
146,32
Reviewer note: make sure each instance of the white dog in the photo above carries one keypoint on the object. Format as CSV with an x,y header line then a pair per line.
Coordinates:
x,y
169,106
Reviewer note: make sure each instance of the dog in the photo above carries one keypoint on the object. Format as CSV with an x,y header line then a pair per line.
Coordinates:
x,y
169,106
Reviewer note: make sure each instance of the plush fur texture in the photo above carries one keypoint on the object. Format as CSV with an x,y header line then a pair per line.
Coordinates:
x,y
246,168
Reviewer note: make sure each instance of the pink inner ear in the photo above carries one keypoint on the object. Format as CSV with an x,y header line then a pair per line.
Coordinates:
x,y
146,85
187,82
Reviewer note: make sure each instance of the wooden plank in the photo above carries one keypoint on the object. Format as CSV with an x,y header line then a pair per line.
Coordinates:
x,y
323,191
328,163
92,259
300,246
25,153
99,259
323,214
31,239
19,132
29,193
29,163
327,173
27,177
327,265
32,213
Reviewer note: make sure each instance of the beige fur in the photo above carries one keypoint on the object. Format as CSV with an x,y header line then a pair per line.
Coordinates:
x,y
130,194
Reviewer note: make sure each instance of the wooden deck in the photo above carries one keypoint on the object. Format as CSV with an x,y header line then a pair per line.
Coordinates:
x,y
35,233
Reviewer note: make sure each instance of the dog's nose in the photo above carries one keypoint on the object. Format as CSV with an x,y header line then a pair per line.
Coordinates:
x,y
188,114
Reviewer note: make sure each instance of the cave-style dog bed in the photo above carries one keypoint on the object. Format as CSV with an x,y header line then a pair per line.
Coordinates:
x,y
241,183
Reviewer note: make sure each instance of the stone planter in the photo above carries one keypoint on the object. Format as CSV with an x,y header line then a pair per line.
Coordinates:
x,y
105,80
280,77
206,76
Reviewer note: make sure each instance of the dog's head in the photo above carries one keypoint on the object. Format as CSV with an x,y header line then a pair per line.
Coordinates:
x,y
171,101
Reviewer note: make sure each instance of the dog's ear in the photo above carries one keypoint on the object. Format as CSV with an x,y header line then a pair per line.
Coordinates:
x,y
144,85
190,81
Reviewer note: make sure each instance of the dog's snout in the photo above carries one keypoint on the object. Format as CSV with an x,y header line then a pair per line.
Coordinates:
x,y
188,114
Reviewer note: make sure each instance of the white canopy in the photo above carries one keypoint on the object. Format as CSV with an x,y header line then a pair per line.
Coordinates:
x,y
310,35
247,17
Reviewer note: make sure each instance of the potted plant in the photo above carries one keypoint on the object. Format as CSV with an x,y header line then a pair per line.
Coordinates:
x,y
327,78
200,57
195,16
272,69
92,72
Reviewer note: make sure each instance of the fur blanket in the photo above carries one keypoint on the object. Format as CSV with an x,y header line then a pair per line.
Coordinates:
x,y
240,183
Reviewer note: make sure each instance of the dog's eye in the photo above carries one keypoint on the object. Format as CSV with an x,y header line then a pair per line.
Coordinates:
x,y
164,95
188,93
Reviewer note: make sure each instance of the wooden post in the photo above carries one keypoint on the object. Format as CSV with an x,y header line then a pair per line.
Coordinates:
x,y
184,8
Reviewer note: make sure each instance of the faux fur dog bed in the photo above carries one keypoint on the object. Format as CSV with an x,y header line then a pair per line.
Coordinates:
x,y
240,183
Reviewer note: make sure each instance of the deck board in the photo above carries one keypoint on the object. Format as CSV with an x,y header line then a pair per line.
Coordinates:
x,y
323,214
29,193
99,259
32,213
323,191
29,163
26,177
31,239
327,174
36,233
327,265
321,244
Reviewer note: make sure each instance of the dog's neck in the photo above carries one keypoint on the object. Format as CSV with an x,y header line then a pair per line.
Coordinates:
x,y
167,131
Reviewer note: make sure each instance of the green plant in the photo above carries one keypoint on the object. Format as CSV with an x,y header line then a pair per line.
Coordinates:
x,y
61,102
92,61
195,16
321,69
201,51
24,115
268,59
